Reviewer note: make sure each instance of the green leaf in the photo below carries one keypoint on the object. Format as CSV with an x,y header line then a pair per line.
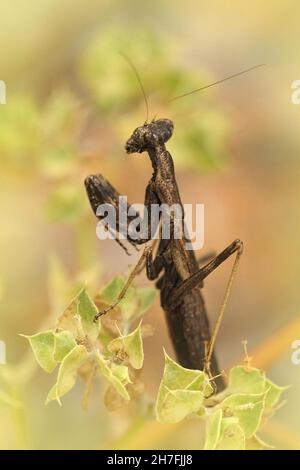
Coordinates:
x,y
244,379
250,380
174,405
232,436
110,292
274,393
178,377
63,343
78,317
128,304
67,373
131,345
42,345
213,430
87,311
181,392
116,374
120,372
68,320
136,301
248,408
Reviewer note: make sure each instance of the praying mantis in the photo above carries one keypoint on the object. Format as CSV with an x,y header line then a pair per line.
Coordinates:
x,y
175,268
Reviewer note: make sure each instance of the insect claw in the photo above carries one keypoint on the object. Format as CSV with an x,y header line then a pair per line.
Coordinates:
x,y
96,317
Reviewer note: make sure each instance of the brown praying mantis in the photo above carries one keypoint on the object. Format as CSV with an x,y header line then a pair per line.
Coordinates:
x,y
176,269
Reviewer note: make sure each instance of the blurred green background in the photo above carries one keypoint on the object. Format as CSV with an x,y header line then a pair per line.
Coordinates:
x,y
72,102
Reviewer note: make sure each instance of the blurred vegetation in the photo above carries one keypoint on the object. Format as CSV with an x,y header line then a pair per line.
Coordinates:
x,y
75,124
47,135
58,139
49,139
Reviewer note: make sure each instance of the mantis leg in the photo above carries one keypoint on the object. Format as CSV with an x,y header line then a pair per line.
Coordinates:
x,y
136,270
155,266
195,279
100,192
205,258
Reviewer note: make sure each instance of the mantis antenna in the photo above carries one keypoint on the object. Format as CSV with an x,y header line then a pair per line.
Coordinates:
x,y
217,82
132,66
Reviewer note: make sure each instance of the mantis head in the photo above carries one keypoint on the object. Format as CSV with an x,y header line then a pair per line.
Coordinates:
x,y
149,135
